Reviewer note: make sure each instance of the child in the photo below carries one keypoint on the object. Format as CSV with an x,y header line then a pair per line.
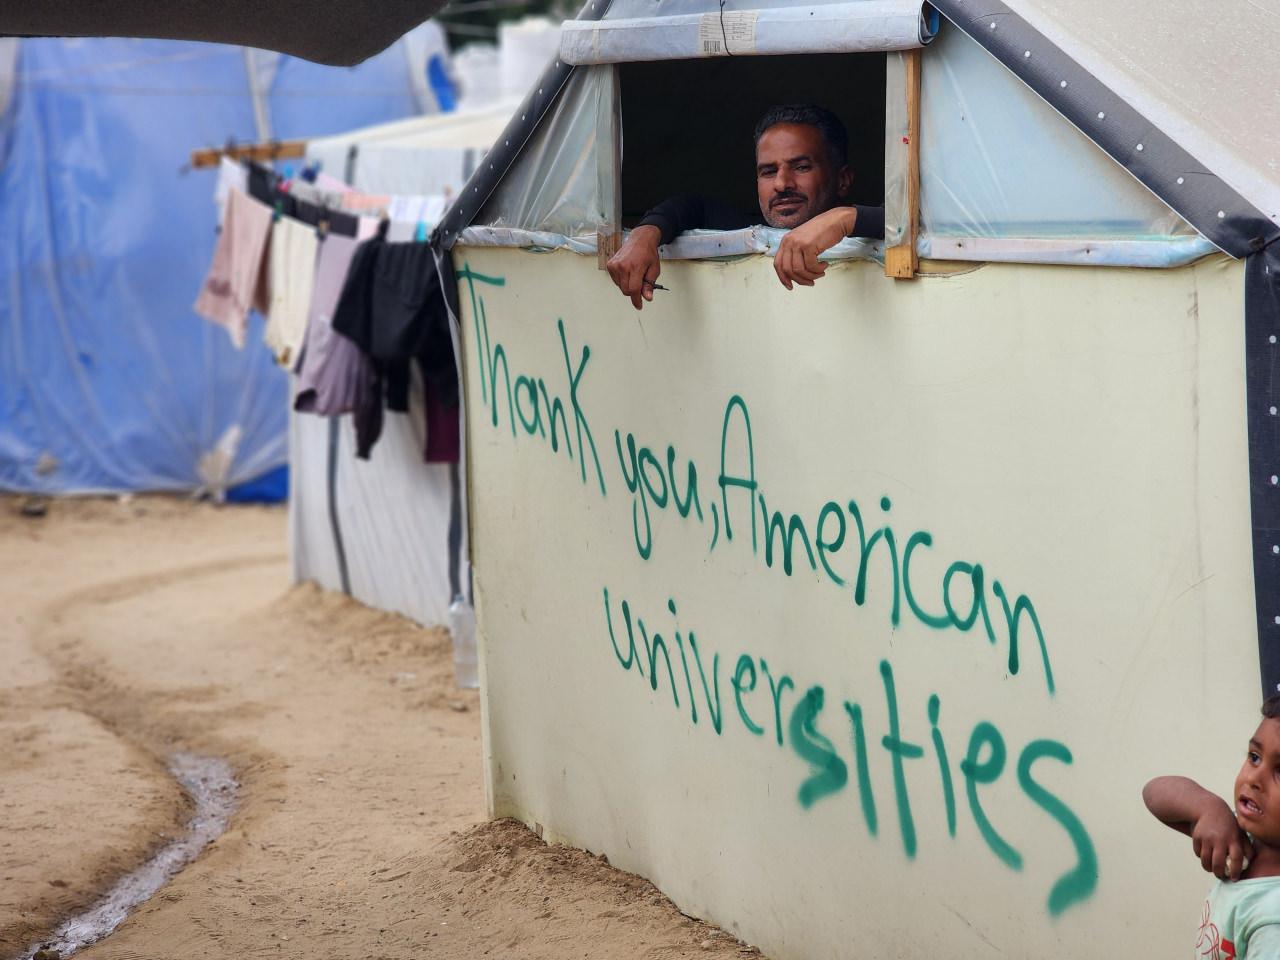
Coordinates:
x,y
1241,918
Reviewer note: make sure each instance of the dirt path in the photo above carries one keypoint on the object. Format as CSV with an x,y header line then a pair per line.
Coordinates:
x,y
133,630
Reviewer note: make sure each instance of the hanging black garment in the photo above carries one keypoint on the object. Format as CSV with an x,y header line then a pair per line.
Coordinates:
x,y
393,308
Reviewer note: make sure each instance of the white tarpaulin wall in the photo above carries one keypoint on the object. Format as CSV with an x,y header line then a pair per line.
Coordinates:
x,y
383,534
860,635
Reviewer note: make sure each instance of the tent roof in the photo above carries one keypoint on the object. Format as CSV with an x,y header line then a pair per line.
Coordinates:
x,y
339,32
476,129
1204,75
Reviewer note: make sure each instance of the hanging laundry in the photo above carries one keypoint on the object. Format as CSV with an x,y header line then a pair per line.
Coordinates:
x,y
444,434
326,182
391,307
292,265
263,183
234,282
371,204
325,218
231,176
332,374
352,315
313,194
413,217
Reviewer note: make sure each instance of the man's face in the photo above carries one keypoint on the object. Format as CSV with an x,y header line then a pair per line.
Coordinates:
x,y
1257,796
795,177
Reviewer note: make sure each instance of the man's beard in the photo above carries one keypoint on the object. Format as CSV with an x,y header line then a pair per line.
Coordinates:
x,y
798,204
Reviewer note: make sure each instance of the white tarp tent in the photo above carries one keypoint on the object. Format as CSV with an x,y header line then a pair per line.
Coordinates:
x,y
390,530
856,617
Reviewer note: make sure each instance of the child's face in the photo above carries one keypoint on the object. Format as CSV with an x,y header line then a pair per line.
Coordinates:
x,y
1257,796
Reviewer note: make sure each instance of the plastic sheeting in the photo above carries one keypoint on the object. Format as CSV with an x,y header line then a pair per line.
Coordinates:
x,y
108,380
690,245
713,31
563,180
997,161
377,529
1204,74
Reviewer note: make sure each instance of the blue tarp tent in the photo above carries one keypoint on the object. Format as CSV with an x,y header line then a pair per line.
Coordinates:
x,y
108,380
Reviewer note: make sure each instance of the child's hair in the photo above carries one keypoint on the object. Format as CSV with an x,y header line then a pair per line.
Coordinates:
x,y
1271,707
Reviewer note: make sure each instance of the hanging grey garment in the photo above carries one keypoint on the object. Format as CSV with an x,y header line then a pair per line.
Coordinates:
x,y
331,369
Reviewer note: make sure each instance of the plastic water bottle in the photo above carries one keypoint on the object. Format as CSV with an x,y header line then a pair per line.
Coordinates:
x,y
462,627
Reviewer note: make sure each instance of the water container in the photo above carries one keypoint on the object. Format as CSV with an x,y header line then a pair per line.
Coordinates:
x,y
462,627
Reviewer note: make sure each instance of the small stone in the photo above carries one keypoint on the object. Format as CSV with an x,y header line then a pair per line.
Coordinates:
x,y
34,507
46,954
457,706
707,944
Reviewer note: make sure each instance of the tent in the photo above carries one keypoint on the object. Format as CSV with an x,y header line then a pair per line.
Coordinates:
x,y
388,531
109,235
855,617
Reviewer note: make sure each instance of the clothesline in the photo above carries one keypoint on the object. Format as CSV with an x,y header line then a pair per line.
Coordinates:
x,y
352,299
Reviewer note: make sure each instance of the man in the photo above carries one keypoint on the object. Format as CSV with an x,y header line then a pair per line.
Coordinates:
x,y
802,180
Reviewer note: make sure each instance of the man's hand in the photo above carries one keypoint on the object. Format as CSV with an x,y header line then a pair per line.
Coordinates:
x,y
1216,838
636,265
797,258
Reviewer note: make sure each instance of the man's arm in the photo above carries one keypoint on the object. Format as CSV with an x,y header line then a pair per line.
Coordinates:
x,y
675,215
797,258
636,265
1187,807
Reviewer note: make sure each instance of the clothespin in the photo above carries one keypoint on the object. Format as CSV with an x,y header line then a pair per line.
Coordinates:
x,y
278,211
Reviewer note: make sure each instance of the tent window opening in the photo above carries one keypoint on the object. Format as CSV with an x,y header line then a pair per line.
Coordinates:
x,y
688,125
679,128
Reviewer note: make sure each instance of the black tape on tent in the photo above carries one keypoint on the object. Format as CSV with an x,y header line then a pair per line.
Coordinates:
x,y
1212,207
1262,350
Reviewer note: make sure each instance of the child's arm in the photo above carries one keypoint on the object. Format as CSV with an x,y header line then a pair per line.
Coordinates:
x,y
1215,836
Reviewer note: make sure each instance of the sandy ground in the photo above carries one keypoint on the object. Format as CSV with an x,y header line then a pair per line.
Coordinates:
x,y
131,630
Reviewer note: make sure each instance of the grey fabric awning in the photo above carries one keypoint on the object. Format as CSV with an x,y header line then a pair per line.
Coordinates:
x,y
338,32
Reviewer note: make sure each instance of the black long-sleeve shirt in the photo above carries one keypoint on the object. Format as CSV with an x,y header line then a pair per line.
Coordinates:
x,y
691,212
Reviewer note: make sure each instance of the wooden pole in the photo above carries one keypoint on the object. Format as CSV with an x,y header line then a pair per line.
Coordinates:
x,y
261,152
609,236
902,262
